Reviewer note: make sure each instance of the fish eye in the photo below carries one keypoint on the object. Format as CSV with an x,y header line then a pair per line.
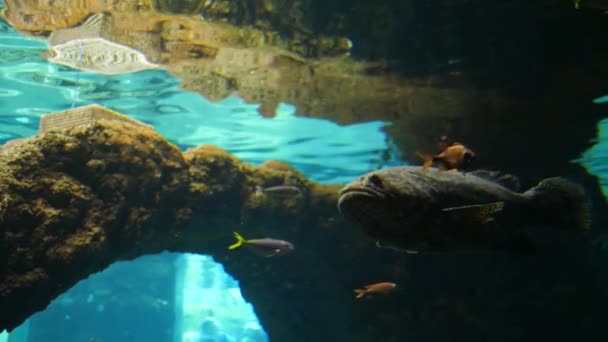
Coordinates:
x,y
375,180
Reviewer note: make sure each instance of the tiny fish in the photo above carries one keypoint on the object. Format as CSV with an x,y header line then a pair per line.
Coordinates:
x,y
368,291
266,247
452,157
279,191
396,249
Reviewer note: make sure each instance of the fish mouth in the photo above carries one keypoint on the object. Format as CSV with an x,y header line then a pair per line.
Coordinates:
x,y
355,193
364,207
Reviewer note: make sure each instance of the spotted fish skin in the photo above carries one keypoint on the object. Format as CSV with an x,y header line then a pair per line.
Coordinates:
x,y
431,210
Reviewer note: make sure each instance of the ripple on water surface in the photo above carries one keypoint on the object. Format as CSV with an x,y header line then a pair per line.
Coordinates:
x,y
321,149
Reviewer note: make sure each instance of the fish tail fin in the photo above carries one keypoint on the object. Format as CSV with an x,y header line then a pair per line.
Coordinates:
x,y
239,241
92,26
359,293
428,159
562,202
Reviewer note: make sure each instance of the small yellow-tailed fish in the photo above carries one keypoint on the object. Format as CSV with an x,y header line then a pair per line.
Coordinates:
x,y
266,247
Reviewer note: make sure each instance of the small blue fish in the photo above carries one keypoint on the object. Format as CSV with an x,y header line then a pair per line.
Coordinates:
x,y
266,246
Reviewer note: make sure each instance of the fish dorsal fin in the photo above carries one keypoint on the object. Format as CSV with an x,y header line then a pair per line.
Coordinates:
x,y
90,28
94,22
506,180
476,213
442,146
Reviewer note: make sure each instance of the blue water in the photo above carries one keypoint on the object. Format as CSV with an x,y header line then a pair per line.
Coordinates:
x,y
95,307
323,150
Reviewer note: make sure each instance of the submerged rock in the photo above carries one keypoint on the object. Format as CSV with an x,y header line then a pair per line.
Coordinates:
x,y
94,187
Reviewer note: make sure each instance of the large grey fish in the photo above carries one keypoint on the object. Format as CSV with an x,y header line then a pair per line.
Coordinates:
x,y
451,211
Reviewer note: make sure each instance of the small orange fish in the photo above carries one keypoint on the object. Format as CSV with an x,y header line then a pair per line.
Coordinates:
x,y
368,291
452,157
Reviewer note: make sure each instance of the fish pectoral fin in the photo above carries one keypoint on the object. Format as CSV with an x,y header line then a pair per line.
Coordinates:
x,y
406,250
427,164
478,213
273,253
